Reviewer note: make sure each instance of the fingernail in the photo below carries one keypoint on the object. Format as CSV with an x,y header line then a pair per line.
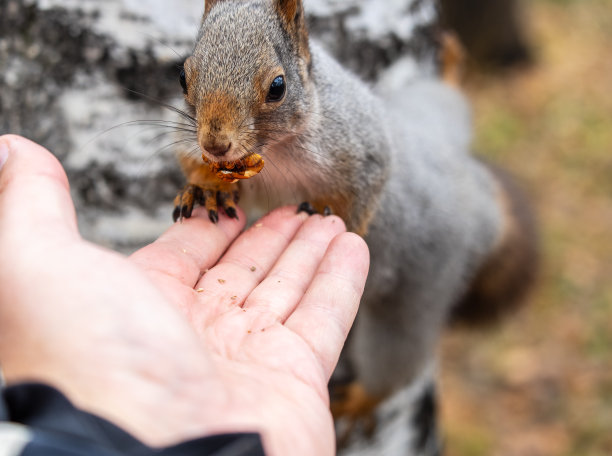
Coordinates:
x,y
4,153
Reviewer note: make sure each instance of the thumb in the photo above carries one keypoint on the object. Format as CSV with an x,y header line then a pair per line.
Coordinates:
x,y
34,190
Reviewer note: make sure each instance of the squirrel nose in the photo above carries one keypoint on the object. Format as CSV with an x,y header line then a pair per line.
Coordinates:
x,y
217,149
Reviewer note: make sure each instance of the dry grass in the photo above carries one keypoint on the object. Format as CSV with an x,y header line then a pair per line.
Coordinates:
x,y
542,383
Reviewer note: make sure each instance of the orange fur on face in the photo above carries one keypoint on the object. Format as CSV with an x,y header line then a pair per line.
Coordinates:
x,y
217,113
221,117
218,116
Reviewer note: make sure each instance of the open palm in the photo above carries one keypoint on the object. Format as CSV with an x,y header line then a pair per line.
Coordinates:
x,y
203,331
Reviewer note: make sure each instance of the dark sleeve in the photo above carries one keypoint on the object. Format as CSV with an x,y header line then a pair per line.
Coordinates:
x,y
47,424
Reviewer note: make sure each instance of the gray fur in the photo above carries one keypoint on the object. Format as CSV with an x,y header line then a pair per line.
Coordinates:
x,y
400,158
438,220
437,216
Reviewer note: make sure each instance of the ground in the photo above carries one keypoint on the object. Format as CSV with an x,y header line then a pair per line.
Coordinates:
x,y
541,384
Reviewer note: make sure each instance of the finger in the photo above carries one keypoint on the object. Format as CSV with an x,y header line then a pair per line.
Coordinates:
x,y
280,292
34,189
327,311
245,264
188,248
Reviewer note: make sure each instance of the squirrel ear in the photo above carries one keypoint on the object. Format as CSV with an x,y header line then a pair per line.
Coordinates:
x,y
291,13
288,9
208,4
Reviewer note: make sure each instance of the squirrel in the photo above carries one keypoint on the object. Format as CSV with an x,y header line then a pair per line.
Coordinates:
x,y
442,226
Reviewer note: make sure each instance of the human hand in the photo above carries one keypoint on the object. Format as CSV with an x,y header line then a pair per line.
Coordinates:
x,y
156,345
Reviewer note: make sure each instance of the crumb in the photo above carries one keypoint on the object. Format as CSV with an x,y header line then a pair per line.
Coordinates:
x,y
259,225
184,250
249,331
253,269
200,290
234,298
221,281
205,271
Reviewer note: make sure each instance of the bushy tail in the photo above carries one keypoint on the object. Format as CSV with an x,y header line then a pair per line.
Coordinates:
x,y
502,283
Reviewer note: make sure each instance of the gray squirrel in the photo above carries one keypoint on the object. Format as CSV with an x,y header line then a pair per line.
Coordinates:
x,y
444,229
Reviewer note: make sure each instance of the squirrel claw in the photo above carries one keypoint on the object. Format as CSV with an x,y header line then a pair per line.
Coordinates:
x,y
231,212
306,207
228,201
211,196
185,201
176,213
181,212
310,209
213,216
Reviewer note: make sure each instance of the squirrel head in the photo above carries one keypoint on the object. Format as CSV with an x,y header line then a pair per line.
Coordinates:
x,y
247,81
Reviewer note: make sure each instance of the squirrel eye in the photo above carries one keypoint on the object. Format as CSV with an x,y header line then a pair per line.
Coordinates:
x,y
183,80
277,90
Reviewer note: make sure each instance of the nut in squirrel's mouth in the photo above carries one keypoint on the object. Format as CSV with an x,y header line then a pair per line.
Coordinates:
x,y
232,171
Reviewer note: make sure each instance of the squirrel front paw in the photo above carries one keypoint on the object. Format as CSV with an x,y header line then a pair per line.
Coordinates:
x,y
211,195
311,210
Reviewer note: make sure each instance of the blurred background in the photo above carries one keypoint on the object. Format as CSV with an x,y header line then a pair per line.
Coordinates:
x,y
541,383
540,79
